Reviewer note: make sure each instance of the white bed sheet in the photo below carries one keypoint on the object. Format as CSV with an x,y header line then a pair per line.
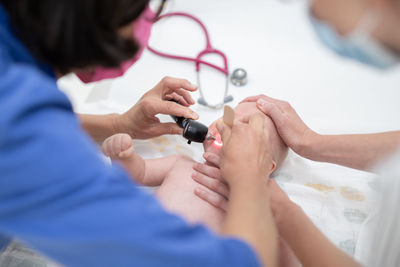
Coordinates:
x,y
274,42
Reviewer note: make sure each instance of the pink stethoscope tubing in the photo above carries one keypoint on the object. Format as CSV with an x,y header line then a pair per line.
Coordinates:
x,y
198,60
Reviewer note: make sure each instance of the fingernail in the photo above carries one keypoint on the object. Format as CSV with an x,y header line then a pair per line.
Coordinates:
x,y
195,115
261,102
199,191
192,85
194,175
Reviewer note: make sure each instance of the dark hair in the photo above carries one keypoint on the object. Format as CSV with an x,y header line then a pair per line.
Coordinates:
x,y
75,34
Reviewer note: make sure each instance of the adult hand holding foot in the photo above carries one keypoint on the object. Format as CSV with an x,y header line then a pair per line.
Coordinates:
x,y
300,240
358,151
140,121
245,163
297,233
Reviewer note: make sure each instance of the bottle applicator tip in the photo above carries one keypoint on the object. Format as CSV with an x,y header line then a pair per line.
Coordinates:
x,y
211,137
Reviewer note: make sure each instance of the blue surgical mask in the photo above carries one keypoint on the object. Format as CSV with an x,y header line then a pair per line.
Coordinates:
x,y
359,44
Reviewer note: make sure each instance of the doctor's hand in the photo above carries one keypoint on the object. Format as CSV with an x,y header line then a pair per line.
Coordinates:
x,y
245,164
241,142
294,132
140,122
245,155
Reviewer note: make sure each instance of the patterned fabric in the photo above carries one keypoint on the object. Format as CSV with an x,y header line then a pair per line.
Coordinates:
x,y
337,199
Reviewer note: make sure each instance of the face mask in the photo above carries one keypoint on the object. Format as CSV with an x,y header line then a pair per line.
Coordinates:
x,y
141,32
359,44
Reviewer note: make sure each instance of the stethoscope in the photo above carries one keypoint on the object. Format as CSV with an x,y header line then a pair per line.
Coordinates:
x,y
239,77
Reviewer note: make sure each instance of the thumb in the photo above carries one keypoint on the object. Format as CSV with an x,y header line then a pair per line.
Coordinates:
x,y
168,128
224,130
270,109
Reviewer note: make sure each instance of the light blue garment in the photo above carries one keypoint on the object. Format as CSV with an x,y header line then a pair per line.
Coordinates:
x,y
60,198
359,45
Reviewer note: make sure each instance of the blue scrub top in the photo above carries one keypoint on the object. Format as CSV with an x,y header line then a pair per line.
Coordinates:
x,y
60,198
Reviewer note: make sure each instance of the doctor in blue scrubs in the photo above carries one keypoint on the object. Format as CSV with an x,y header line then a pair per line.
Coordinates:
x,y
57,195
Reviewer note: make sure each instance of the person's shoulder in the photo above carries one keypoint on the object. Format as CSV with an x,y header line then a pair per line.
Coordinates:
x,y
14,69
26,91
26,81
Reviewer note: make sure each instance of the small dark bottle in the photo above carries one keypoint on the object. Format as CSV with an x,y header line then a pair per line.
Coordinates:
x,y
193,131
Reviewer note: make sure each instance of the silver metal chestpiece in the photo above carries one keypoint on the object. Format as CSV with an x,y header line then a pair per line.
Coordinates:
x,y
239,77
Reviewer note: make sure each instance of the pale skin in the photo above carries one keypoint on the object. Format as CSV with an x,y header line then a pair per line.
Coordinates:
x,y
140,121
356,151
179,184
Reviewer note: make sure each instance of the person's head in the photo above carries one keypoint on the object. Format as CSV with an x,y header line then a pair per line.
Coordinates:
x,y
243,111
370,28
74,35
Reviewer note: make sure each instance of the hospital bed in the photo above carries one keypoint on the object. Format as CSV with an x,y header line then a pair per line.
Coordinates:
x,y
274,42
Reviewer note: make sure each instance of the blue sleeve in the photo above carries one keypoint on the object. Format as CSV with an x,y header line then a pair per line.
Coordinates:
x,y
59,197
4,241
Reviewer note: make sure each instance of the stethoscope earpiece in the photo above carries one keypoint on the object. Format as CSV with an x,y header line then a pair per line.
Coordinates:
x,y
201,101
228,99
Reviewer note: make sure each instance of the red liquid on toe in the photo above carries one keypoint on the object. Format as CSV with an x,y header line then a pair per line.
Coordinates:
x,y
218,141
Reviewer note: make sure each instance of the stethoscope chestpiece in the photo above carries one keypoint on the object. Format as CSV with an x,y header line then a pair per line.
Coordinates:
x,y
239,77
